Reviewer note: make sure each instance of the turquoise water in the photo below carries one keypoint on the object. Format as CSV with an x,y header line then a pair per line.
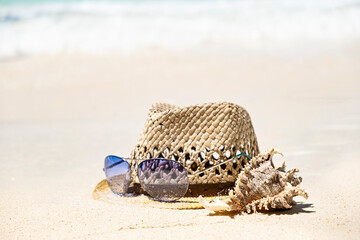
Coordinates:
x,y
120,26
18,2
14,2
9,2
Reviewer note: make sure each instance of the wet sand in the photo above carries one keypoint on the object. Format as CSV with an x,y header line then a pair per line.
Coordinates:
x,y
60,115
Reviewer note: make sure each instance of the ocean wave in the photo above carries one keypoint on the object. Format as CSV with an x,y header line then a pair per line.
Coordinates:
x,y
102,27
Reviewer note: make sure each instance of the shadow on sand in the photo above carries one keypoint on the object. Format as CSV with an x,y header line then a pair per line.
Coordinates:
x,y
299,208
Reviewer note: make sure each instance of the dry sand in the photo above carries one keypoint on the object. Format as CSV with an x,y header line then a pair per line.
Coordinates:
x,y
60,115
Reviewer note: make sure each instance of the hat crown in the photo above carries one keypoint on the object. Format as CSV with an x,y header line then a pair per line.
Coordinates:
x,y
199,136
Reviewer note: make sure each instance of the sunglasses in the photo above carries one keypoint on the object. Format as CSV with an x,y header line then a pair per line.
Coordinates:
x,y
163,179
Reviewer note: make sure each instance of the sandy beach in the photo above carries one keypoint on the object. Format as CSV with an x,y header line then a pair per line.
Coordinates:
x,y
61,114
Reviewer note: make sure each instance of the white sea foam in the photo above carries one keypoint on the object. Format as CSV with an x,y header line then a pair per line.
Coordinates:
x,y
103,27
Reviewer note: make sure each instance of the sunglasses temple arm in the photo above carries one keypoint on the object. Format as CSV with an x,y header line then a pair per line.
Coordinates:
x,y
241,154
117,163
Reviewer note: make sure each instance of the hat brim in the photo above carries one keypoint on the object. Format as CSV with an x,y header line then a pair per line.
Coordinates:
x,y
102,192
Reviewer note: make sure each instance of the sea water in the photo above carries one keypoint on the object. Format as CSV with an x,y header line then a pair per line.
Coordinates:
x,y
121,26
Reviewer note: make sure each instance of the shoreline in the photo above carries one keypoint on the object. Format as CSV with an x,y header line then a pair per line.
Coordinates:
x,y
311,50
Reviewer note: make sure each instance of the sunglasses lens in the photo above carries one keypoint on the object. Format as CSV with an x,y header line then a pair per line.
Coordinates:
x,y
117,173
163,179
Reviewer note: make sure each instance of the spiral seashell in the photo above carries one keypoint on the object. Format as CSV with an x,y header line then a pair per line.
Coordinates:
x,y
260,186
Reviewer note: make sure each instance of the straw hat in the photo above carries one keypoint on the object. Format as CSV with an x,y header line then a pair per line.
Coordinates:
x,y
199,137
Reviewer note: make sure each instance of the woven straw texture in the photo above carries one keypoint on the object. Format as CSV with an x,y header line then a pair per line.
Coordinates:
x,y
198,137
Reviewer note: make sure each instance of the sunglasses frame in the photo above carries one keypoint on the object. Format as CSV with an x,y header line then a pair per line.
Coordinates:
x,y
143,160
